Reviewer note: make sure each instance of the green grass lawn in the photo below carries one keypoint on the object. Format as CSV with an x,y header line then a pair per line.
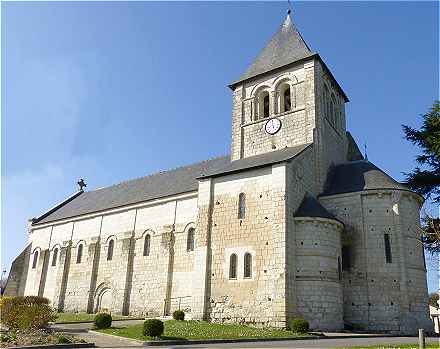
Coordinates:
x,y
396,346
201,330
81,317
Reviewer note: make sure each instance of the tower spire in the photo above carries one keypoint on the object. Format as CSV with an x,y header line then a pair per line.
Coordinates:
x,y
289,7
285,47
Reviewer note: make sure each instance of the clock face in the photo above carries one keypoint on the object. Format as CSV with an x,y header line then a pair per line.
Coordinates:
x,y
272,126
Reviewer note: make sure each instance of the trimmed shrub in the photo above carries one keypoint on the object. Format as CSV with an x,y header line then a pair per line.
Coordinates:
x,y
179,315
103,320
30,312
299,325
153,328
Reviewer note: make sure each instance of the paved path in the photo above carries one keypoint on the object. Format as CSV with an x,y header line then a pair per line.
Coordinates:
x,y
320,343
104,341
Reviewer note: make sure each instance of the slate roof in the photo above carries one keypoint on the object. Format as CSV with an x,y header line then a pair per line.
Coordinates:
x,y
260,160
159,185
358,176
162,184
310,207
286,46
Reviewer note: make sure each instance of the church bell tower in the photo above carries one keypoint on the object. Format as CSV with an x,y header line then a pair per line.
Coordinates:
x,y
287,98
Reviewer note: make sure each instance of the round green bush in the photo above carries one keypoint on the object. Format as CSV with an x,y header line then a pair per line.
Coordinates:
x,y
153,328
179,315
103,320
299,325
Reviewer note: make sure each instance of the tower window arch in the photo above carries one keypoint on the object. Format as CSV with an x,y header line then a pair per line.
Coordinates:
x,y
263,104
333,110
326,102
147,241
54,257
241,206
79,253
339,269
190,240
111,246
35,260
247,273
233,266
285,98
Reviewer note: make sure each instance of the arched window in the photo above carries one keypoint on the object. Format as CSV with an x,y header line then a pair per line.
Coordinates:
x,y
233,266
190,240
54,257
339,269
387,242
247,265
147,245
263,103
111,246
35,260
346,258
327,102
241,206
285,99
334,112
79,254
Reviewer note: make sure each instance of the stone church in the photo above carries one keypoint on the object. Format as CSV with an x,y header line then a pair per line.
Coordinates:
x,y
295,222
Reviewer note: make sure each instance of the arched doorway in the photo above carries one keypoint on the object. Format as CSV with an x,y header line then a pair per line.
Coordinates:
x,y
103,299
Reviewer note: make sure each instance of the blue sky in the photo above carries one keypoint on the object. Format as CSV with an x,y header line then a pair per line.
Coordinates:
x,y
111,91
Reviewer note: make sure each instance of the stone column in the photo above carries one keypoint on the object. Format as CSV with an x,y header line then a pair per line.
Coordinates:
x,y
272,102
293,97
279,235
122,282
168,244
62,275
44,262
237,110
94,255
202,252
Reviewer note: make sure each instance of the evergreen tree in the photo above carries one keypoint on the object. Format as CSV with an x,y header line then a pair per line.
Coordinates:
x,y
433,298
425,180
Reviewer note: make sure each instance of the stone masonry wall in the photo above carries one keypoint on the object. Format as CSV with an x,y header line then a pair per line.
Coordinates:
x,y
330,142
129,282
381,296
16,282
300,180
318,287
260,299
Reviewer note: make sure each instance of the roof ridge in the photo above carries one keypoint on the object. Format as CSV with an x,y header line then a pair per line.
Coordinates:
x,y
158,173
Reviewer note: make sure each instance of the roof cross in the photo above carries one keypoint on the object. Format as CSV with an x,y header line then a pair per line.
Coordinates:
x,y
81,184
